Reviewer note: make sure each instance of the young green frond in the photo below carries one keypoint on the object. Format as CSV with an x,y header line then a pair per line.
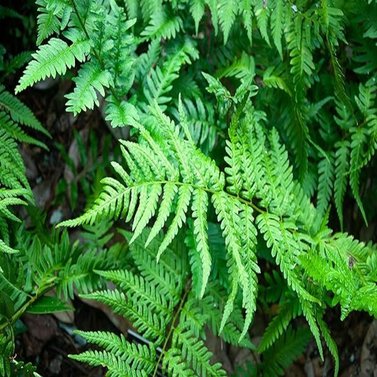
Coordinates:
x,y
19,112
51,59
90,80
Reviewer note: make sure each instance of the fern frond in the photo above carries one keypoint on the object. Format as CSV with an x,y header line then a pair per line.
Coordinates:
x,y
245,8
120,114
279,324
51,59
162,274
196,354
16,132
116,365
151,324
277,17
139,291
262,14
162,25
285,248
357,151
91,80
47,20
326,176
175,365
341,170
110,203
137,356
228,213
149,8
184,198
197,11
331,345
10,160
199,208
227,11
7,249
19,112
159,82
284,351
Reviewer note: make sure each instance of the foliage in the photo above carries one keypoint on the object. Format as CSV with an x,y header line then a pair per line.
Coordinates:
x,y
14,187
43,263
254,116
158,298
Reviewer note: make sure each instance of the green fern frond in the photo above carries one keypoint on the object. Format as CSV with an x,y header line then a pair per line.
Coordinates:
x,y
284,351
162,25
245,8
227,11
145,321
135,355
47,20
286,248
326,176
116,365
277,16
279,324
199,208
19,112
341,170
184,198
143,301
262,13
149,8
357,151
196,354
331,345
90,80
51,59
16,132
159,81
197,11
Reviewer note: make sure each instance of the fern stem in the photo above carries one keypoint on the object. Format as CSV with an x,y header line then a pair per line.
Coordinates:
x,y
208,190
174,321
40,292
98,57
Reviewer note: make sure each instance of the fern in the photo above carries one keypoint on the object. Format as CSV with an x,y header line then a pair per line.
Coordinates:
x,y
90,81
227,11
285,350
341,179
152,313
14,187
289,233
54,262
212,189
52,59
162,26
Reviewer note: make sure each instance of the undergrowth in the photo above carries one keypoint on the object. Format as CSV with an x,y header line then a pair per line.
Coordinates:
x,y
250,124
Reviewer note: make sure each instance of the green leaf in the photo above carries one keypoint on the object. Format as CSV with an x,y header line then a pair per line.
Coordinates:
x,y
51,59
277,19
91,81
197,11
48,304
227,15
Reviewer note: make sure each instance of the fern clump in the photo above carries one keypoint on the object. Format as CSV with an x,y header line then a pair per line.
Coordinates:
x,y
254,118
157,297
45,262
255,198
14,187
